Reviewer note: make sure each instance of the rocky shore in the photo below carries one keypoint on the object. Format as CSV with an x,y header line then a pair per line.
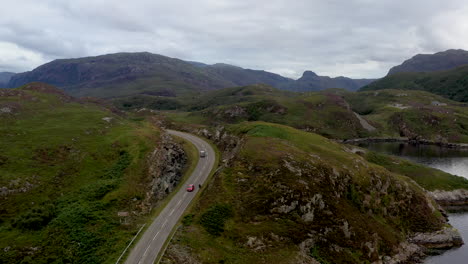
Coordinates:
x,y
420,245
453,201
405,140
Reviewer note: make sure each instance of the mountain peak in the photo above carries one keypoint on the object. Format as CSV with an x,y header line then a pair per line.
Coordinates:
x,y
309,74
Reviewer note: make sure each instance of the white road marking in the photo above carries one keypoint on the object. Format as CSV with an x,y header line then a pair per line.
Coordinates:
x,y
172,212
156,235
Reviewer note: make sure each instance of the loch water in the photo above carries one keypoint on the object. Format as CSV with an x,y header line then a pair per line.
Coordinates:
x,y
453,161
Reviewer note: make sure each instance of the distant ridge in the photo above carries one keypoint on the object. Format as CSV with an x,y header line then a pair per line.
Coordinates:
x,y
123,74
5,78
310,81
440,61
452,84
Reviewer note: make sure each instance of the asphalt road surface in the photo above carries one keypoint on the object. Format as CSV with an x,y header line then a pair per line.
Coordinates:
x,y
152,241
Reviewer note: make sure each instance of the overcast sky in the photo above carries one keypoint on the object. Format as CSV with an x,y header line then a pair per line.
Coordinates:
x,y
355,38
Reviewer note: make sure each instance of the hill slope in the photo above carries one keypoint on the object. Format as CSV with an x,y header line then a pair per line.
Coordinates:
x,y
412,114
452,84
295,197
324,112
440,61
332,113
123,74
67,167
5,78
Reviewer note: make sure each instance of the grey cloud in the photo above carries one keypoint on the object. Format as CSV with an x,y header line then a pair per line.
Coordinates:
x,y
358,38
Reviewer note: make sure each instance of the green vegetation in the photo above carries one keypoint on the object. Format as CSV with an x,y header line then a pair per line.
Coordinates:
x,y
325,112
213,220
67,168
147,101
429,178
412,114
452,84
394,113
286,187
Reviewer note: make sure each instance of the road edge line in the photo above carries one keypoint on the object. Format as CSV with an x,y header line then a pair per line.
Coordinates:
x,y
129,244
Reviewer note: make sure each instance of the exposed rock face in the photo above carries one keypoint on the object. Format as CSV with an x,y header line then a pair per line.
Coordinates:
x,y
407,253
17,185
451,198
165,169
415,249
228,144
446,238
178,254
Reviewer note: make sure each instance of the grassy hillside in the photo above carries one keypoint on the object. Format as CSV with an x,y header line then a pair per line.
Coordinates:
x,y
428,178
290,196
452,84
321,112
413,114
66,168
394,113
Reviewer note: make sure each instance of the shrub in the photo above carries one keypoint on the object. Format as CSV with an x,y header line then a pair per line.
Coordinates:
x,y
117,170
36,218
213,220
98,189
188,219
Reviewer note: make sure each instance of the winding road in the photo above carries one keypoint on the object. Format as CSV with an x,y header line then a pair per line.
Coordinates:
x,y
152,241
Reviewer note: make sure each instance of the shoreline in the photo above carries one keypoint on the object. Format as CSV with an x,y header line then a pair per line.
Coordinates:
x,y
405,140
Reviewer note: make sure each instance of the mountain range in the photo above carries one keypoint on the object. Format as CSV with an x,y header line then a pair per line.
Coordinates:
x,y
123,74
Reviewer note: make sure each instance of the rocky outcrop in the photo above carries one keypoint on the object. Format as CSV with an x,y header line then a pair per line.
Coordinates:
x,y
406,253
178,254
420,244
446,238
451,198
166,164
227,143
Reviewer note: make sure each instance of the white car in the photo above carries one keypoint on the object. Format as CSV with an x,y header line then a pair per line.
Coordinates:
x,y
202,153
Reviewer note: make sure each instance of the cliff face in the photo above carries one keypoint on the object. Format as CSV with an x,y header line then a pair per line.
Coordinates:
x,y
165,167
295,197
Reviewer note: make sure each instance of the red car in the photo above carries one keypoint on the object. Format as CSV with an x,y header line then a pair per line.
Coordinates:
x,y
190,188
